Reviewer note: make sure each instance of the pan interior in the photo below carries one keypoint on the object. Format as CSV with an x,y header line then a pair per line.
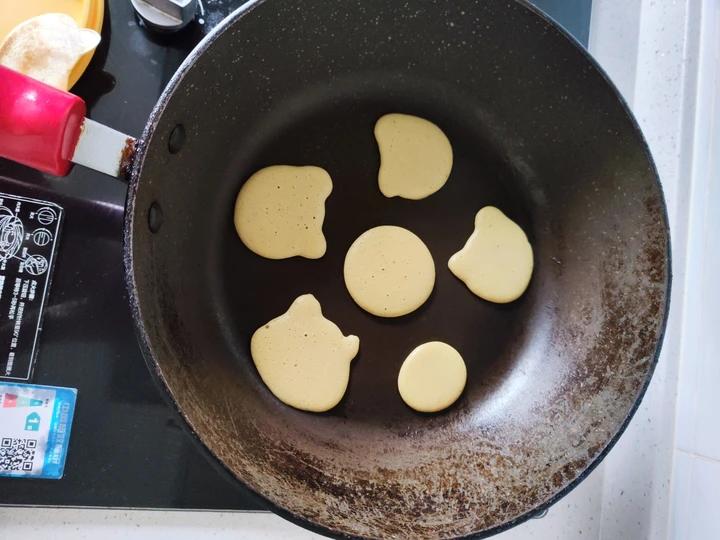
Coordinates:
x,y
536,130
336,132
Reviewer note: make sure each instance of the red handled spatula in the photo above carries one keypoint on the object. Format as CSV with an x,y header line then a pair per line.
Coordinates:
x,y
45,128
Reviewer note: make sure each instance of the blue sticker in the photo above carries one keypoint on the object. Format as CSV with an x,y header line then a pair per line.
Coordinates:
x,y
35,424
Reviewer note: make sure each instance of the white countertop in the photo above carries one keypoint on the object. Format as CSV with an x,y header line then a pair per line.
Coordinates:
x,y
660,54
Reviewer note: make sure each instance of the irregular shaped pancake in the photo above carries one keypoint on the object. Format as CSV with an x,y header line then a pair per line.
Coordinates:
x,y
415,156
279,211
389,271
47,47
303,358
432,377
496,262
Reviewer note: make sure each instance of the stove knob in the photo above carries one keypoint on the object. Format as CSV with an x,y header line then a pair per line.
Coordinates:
x,y
165,15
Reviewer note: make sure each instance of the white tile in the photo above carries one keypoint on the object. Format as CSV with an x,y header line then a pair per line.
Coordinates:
x,y
699,381
696,494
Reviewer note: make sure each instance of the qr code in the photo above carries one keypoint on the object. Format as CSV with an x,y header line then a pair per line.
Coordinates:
x,y
17,454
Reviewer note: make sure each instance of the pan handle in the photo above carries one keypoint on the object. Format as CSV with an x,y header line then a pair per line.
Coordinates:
x,y
46,129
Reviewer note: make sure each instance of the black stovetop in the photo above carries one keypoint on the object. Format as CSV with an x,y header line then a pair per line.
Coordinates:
x,y
127,448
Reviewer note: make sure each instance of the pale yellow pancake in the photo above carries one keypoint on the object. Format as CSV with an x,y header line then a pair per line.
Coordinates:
x,y
389,271
303,358
415,156
279,211
496,262
432,377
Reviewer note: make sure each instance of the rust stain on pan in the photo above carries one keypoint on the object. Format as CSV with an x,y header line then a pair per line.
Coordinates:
x,y
127,156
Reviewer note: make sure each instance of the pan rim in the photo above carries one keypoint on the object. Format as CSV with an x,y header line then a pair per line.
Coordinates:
x,y
154,368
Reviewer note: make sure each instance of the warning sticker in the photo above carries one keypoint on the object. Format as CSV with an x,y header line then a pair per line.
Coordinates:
x,y
29,230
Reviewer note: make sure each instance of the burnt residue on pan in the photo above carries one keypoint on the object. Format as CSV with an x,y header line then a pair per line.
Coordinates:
x,y
126,157
537,131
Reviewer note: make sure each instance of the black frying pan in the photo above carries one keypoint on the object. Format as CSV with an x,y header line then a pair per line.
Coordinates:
x,y
537,130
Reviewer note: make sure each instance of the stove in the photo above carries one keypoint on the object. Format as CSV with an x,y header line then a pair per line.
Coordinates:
x,y
128,448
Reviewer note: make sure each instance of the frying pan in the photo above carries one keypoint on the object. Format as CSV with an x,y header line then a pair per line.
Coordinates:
x,y
537,130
